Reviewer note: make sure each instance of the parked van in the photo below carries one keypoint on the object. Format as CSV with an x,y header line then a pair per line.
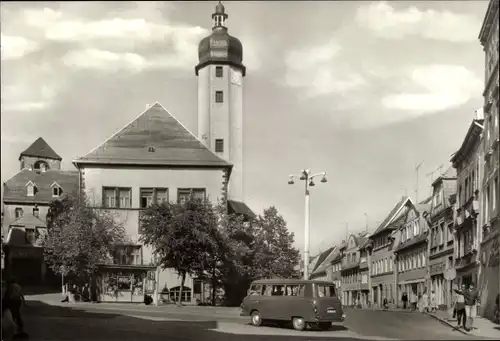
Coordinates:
x,y
301,302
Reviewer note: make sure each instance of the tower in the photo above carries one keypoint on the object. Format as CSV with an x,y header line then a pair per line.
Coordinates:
x,y
220,97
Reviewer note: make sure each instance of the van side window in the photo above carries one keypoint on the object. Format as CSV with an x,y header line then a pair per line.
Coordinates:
x,y
294,290
255,290
278,290
267,290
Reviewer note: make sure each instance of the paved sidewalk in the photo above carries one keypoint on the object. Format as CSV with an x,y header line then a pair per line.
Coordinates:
x,y
483,327
55,300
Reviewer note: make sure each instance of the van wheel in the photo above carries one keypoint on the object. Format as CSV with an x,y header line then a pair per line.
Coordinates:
x,y
255,318
298,323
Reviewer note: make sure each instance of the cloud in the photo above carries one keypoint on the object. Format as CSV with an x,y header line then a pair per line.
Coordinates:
x,y
117,39
16,47
317,70
387,22
441,87
30,88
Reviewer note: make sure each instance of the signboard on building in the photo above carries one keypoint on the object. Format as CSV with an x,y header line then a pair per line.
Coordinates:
x,y
438,268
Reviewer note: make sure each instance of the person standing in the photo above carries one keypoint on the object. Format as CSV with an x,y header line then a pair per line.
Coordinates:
x,y
424,303
433,305
471,296
12,300
460,307
404,298
413,301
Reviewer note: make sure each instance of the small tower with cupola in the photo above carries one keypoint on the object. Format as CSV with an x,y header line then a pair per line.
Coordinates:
x,y
220,74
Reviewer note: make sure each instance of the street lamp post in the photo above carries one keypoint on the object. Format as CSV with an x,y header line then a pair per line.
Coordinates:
x,y
308,178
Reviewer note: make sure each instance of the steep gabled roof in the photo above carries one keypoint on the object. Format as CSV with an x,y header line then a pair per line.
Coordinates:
x,y
172,144
41,149
473,133
15,187
28,220
394,213
322,257
334,252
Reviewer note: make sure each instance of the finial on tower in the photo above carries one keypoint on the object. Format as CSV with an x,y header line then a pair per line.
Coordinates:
x,y
219,16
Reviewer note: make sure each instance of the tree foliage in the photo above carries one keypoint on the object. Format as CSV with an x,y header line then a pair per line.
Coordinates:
x,y
182,236
79,237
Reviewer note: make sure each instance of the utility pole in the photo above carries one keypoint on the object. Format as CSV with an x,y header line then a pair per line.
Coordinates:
x,y
366,222
346,231
416,170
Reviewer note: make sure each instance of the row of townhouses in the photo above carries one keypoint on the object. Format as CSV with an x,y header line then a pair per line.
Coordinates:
x,y
452,237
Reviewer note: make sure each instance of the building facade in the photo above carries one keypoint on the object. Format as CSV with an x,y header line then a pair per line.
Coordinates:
x,y
441,237
383,279
489,274
323,270
467,232
354,281
336,266
411,251
26,200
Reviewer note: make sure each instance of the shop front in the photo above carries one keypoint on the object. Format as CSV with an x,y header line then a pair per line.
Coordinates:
x,y
125,283
438,284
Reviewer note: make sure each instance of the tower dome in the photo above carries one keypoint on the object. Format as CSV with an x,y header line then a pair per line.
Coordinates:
x,y
220,47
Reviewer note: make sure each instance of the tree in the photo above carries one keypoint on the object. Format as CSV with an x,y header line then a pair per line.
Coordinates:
x,y
275,254
182,236
79,237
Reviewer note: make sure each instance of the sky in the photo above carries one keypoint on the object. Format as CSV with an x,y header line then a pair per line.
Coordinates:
x,y
364,91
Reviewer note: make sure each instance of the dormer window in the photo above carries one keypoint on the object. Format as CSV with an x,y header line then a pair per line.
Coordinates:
x,y
56,190
30,189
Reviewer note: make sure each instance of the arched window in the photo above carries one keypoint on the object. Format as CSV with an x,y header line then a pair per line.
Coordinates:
x,y
41,166
175,292
19,212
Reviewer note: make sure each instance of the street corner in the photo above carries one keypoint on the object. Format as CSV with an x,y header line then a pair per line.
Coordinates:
x,y
247,329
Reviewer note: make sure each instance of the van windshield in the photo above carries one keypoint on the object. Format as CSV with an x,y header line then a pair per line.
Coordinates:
x,y
326,290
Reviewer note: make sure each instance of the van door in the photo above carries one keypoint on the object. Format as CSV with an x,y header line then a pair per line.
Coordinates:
x,y
328,304
252,300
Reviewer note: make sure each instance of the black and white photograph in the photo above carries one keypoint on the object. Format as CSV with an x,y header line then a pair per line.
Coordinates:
x,y
250,170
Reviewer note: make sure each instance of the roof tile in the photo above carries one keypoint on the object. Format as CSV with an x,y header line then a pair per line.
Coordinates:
x,y
173,144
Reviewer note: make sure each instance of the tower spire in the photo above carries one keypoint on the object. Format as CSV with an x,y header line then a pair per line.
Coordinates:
x,y
219,17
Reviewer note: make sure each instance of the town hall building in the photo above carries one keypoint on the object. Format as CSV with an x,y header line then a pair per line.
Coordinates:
x,y
156,158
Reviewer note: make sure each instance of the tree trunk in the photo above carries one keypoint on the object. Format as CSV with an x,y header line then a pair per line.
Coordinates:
x,y
183,280
214,285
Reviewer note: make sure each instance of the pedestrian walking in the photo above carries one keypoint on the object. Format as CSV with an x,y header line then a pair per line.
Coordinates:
x,y
13,300
404,298
471,297
433,304
460,307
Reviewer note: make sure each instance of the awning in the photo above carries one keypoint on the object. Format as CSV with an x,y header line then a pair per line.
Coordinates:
x,y
412,281
239,207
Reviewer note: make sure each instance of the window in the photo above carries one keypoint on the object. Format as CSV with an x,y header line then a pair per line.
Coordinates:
x,y
419,260
218,71
219,145
441,234
36,211
176,291
150,196
30,189
255,290
326,291
41,166
385,265
30,235
219,97
390,263
127,254
423,258
56,190
416,227
19,212
183,194
116,197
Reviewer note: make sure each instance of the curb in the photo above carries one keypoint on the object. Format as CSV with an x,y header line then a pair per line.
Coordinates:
x,y
443,321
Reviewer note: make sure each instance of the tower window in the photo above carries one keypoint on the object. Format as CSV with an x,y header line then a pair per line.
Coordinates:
x,y
219,97
218,71
219,145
